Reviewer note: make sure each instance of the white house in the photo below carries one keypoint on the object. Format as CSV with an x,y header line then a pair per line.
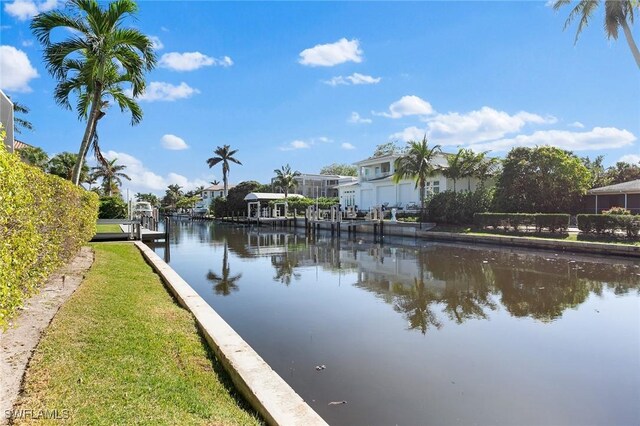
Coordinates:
x,y
375,186
209,194
314,185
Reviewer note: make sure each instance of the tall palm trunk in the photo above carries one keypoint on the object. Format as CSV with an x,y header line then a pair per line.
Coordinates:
x,y
422,191
454,185
630,41
88,132
225,183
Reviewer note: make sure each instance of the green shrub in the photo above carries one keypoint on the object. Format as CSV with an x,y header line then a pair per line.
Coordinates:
x,y
458,207
617,210
609,223
555,222
300,204
44,220
112,208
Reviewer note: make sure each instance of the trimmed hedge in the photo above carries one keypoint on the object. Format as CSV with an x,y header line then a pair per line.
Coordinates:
x,y
551,222
301,204
609,223
44,220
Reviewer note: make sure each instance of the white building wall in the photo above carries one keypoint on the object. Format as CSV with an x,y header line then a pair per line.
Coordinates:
x,y
6,118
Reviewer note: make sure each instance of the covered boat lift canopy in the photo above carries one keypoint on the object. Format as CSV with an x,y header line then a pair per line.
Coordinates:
x,y
254,200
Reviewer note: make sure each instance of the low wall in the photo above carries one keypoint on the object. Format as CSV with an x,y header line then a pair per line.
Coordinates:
x,y
537,243
262,387
400,229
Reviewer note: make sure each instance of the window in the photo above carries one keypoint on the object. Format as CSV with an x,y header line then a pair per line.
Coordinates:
x,y
386,167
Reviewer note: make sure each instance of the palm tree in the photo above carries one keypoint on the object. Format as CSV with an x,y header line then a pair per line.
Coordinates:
x,y
215,182
455,167
485,167
94,61
63,164
224,156
110,172
34,156
617,13
286,181
20,123
417,164
172,196
225,282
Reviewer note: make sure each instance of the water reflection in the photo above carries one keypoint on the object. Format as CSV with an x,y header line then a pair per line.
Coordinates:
x,y
462,284
554,338
225,283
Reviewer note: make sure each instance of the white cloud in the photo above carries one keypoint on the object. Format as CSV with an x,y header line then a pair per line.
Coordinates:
x,y
145,180
577,124
296,144
355,78
161,91
190,61
407,105
355,118
26,9
347,145
412,133
630,158
481,125
27,43
328,55
156,42
15,70
598,138
173,142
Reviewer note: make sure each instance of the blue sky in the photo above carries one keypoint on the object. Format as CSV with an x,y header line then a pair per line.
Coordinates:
x,y
310,84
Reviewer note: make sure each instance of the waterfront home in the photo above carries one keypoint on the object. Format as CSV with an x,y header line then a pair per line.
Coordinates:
x,y
625,194
375,185
209,194
314,185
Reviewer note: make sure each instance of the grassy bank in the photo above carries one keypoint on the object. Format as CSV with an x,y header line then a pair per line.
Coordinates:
x,y
120,351
607,238
103,228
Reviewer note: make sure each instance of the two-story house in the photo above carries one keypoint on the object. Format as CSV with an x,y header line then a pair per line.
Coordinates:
x,y
209,194
375,185
314,185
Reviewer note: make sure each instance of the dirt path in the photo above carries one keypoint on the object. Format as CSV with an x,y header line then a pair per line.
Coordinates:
x,y
18,342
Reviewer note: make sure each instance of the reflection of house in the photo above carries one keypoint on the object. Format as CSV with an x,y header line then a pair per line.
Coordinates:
x,y
626,194
314,186
209,194
375,186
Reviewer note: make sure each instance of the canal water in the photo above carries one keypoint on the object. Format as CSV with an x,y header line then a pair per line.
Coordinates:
x,y
420,333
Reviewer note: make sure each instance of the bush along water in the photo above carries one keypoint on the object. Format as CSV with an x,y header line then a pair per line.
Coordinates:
x,y
44,220
458,207
601,224
518,222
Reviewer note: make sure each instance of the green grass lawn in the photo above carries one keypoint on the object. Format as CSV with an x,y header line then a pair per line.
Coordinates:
x,y
108,228
121,351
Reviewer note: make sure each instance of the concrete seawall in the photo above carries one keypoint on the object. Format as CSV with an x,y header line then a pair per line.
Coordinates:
x,y
399,229
262,387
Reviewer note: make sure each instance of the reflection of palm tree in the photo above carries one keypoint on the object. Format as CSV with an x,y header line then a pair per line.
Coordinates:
x,y
414,303
225,282
285,268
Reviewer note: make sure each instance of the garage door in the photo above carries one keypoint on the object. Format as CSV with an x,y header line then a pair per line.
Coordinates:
x,y
386,194
366,199
408,193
